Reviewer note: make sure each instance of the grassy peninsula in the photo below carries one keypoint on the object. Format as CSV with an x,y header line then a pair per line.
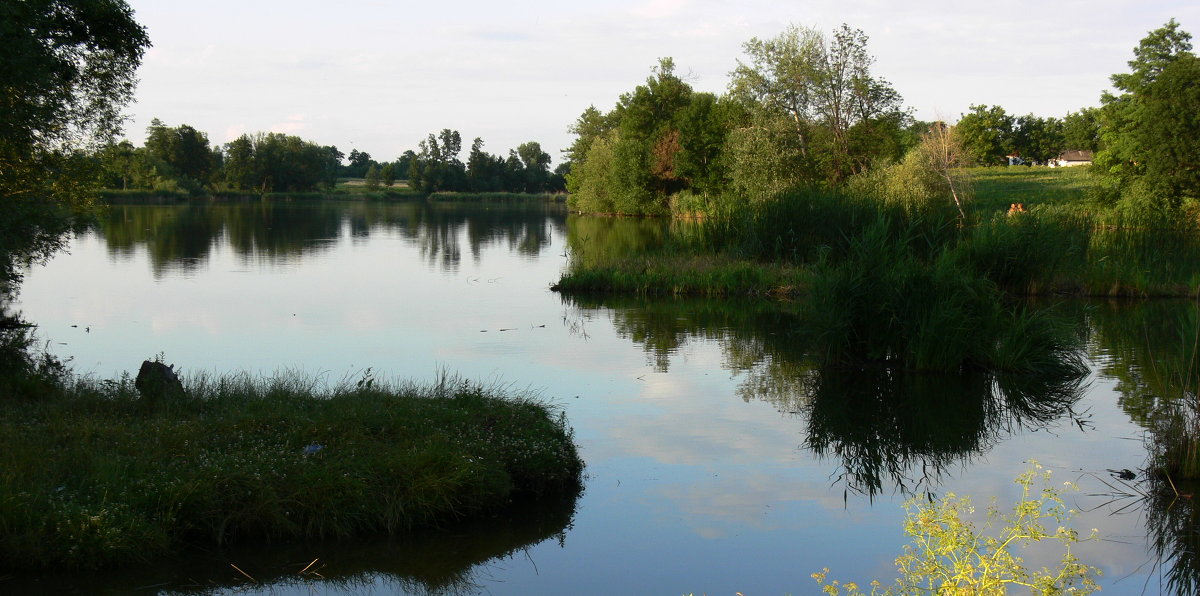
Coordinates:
x,y
95,474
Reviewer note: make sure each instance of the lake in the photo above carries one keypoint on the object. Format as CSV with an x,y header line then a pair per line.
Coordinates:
x,y
719,460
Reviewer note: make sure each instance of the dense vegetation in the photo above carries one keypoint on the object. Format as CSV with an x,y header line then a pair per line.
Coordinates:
x,y
68,67
179,159
804,112
96,474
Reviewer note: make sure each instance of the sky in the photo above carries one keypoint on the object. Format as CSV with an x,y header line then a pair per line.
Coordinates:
x,y
379,76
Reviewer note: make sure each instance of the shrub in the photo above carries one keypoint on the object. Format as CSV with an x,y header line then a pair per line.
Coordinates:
x,y
949,555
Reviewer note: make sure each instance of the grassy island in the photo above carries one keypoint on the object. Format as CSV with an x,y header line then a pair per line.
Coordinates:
x,y
94,474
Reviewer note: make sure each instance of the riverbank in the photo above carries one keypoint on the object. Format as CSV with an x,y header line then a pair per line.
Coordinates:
x,y
96,475
1056,243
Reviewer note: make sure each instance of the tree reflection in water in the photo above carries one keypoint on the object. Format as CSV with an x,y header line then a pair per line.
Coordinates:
x,y
182,237
1152,349
890,429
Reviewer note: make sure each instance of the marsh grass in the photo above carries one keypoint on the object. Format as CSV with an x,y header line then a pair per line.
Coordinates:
x,y
94,475
679,274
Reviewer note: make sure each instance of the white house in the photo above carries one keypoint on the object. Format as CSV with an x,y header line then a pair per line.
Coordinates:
x,y
1071,158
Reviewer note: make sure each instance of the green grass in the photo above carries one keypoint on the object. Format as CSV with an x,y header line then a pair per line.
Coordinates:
x,y
680,275
998,187
92,474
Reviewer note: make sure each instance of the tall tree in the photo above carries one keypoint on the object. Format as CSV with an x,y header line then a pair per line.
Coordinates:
x,y
1037,139
1149,130
1081,130
824,87
986,134
67,67
183,148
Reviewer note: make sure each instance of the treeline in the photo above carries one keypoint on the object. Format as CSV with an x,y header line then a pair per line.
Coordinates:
x,y
438,168
181,159
990,135
804,111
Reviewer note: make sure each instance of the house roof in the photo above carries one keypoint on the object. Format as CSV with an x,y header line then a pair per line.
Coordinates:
x,y
1075,155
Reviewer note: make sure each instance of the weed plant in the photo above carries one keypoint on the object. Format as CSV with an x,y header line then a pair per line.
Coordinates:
x,y
94,474
949,554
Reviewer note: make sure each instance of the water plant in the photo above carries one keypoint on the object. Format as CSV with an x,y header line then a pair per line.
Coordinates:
x,y
949,554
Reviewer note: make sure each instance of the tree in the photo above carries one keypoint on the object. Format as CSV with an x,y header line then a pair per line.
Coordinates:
x,y
371,178
67,67
590,126
437,166
184,150
1081,130
986,134
536,166
359,162
824,87
1037,139
1149,130
643,145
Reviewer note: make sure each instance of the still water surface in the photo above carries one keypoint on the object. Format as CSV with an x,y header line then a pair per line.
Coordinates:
x,y
719,460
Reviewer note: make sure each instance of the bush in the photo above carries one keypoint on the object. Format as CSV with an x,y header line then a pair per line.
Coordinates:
x,y
949,555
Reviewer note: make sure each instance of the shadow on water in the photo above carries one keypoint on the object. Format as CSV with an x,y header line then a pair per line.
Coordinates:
x,y
447,560
890,429
182,237
1152,350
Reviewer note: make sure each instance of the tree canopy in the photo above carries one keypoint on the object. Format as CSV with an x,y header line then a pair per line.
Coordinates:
x,y
1149,130
67,67
803,110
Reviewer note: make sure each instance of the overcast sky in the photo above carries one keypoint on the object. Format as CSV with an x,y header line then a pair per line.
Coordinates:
x,y
378,76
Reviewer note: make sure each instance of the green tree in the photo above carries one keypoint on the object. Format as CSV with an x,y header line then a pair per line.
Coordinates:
x,y
359,162
986,134
643,146
842,116
437,166
240,168
536,166
371,178
1081,130
387,174
185,152
67,67
1036,139
1149,130
590,125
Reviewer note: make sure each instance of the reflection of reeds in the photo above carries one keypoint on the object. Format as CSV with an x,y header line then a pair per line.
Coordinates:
x,y
887,424
1173,522
1176,438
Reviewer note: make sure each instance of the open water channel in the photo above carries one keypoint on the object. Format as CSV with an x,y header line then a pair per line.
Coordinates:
x,y
718,459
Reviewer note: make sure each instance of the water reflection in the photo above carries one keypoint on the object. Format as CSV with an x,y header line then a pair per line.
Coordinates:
x,y
447,560
890,429
1151,348
181,238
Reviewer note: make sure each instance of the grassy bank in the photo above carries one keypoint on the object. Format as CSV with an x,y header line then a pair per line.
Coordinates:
x,y
92,474
996,188
1062,244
